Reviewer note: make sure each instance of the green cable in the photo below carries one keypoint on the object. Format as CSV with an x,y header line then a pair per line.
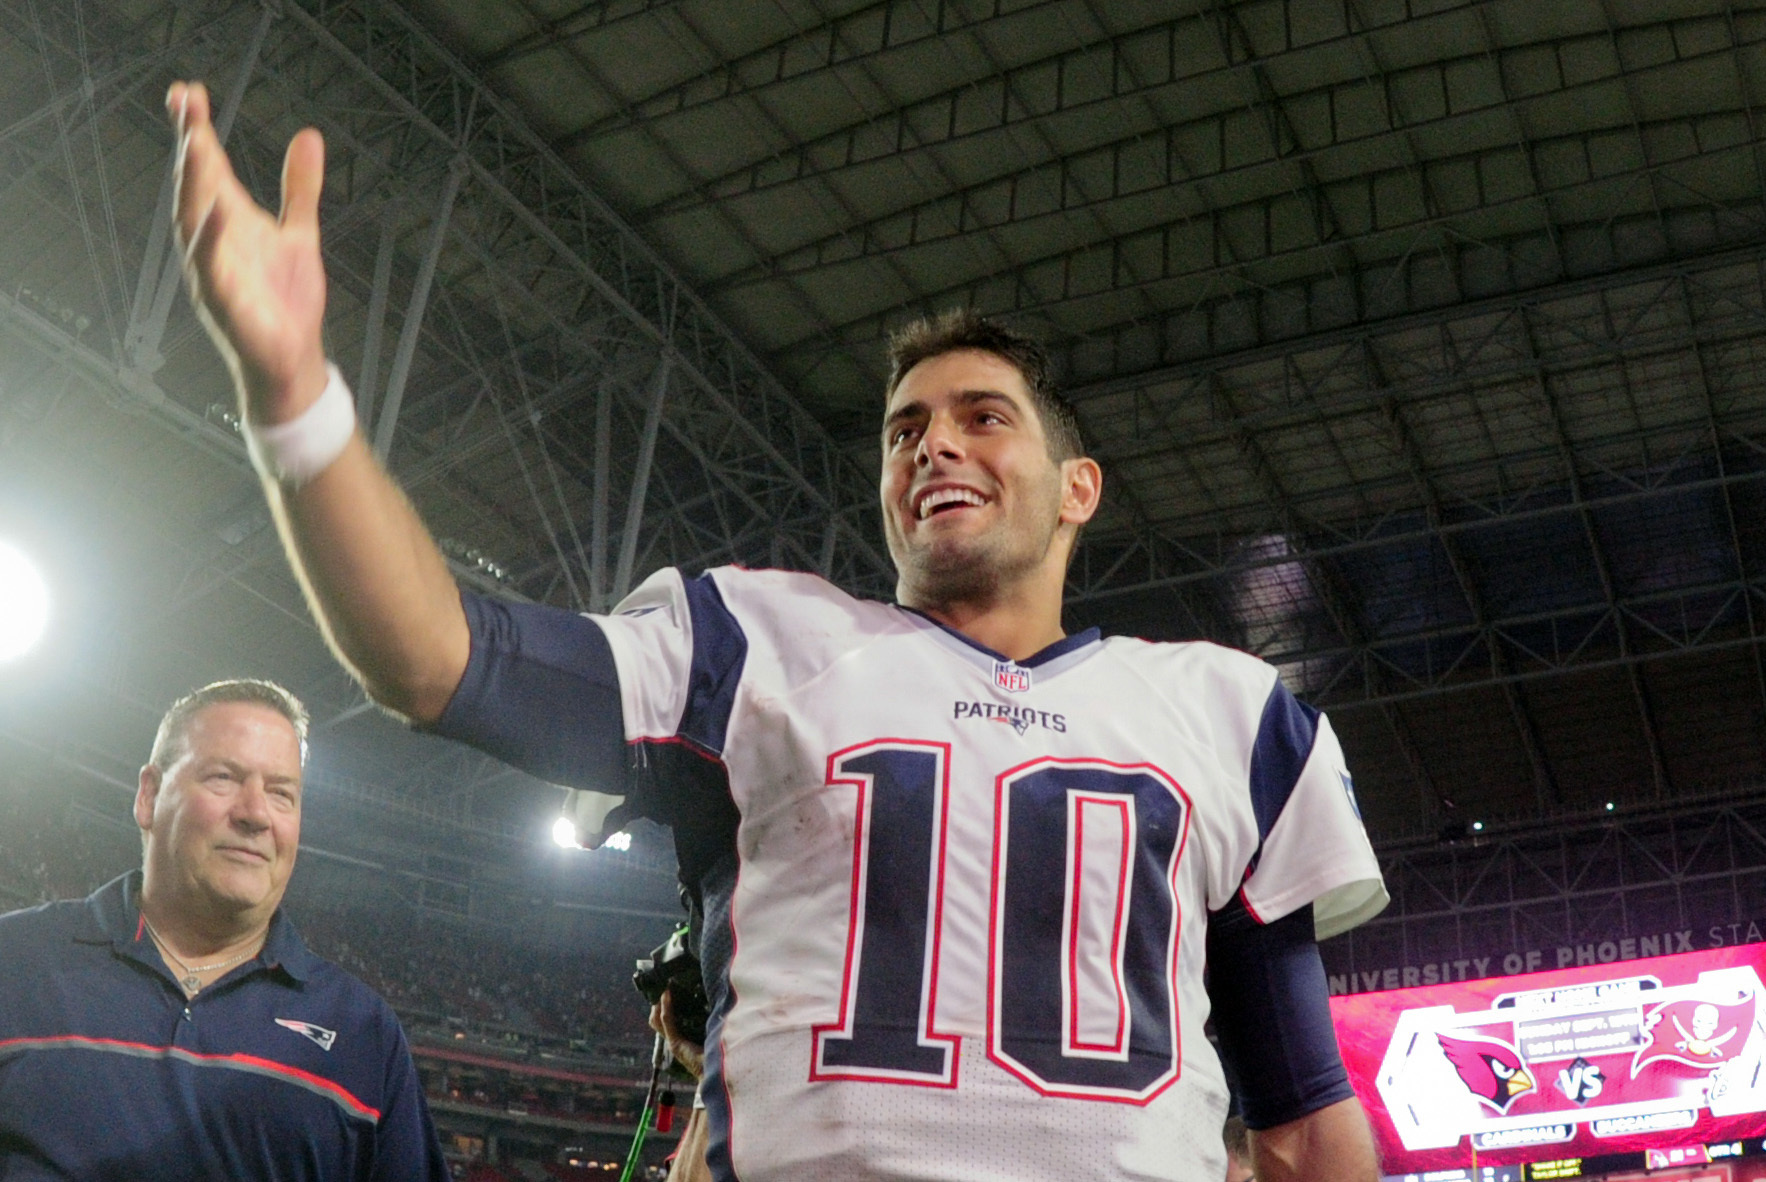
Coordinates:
x,y
657,1060
631,1161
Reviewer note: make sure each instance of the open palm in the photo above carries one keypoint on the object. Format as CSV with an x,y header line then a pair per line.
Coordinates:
x,y
257,281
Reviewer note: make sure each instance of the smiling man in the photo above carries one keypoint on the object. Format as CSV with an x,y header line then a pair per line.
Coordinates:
x,y
985,481
958,877
173,1025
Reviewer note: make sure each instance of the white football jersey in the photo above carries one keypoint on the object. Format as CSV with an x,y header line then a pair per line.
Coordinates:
x,y
963,936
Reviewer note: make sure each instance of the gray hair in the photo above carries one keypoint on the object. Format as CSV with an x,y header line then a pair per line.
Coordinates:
x,y
169,741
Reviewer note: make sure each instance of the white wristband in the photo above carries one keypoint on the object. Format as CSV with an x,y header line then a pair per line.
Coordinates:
x,y
294,452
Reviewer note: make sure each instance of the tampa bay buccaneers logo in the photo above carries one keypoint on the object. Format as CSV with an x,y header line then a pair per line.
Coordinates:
x,y
1694,1032
1491,1069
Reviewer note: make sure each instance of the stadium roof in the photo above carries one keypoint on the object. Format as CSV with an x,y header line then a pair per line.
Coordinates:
x,y
1421,342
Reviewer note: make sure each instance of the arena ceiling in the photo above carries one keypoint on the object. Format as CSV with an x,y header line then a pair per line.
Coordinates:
x,y
1421,342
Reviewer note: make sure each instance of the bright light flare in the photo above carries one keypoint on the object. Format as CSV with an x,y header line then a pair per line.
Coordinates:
x,y
24,603
621,841
564,833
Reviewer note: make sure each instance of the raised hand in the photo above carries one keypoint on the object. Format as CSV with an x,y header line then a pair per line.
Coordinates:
x,y
257,281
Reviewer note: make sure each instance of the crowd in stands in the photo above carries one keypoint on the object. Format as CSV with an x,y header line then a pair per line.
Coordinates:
x,y
434,975
525,1095
43,858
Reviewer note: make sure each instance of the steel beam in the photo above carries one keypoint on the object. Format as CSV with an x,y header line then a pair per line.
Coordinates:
x,y
634,508
412,326
600,599
369,375
553,232
159,282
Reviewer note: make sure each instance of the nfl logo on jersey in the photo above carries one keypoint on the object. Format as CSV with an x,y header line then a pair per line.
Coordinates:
x,y
1011,676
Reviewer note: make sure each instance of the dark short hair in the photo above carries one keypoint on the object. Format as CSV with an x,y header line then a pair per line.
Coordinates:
x,y
170,737
965,328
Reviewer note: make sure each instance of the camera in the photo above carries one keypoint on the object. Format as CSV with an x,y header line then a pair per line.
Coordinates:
x,y
671,967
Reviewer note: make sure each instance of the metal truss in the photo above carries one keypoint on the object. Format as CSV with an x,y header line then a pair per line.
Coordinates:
x,y
853,37
1180,236
1377,241
590,284
1156,56
554,303
1690,315
1575,881
565,395
578,22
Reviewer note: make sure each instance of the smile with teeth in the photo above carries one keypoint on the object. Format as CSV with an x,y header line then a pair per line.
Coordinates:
x,y
933,501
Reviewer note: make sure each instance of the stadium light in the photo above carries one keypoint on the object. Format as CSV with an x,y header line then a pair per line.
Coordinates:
x,y
24,603
621,841
564,833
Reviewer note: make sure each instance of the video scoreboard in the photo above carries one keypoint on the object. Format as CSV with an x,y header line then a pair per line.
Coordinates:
x,y
1576,1072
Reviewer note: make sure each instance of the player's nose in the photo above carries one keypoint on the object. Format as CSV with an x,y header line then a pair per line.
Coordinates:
x,y
940,440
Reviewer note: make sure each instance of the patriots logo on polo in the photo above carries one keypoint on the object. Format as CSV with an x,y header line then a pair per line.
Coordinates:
x,y
318,1034
1490,1068
1011,676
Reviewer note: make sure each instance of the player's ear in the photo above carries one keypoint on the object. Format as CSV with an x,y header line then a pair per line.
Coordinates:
x,y
147,786
1082,484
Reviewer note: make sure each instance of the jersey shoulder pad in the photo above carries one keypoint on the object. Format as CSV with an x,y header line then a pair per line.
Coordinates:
x,y
796,624
1189,667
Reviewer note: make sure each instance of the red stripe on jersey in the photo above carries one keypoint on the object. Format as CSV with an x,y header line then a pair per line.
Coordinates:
x,y
677,741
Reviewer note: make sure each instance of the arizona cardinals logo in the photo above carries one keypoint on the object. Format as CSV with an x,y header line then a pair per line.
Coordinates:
x,y
1490,1068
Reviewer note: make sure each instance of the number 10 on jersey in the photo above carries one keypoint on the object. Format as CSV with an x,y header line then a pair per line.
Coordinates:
x,y
1083,923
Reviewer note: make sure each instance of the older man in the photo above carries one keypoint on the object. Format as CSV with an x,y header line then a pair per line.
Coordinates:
x,y
173,1025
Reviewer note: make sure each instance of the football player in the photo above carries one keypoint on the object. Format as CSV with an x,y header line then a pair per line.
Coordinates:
x,y
960,877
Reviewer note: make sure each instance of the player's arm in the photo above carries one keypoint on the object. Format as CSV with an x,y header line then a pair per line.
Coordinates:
x,y
1271,1008
1329,1145
689,1163
375,580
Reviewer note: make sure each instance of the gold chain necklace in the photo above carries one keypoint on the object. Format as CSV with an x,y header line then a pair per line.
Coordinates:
x,y
192,979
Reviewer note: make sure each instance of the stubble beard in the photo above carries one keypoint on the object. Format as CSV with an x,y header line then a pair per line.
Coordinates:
x,y
944,574
948,572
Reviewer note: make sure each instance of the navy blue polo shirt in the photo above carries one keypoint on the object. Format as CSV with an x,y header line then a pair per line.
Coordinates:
x,y
286,1068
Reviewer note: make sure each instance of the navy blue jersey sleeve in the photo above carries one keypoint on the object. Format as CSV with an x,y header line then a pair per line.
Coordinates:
x,y
1272,1015
540,692
1311,846
405,1144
